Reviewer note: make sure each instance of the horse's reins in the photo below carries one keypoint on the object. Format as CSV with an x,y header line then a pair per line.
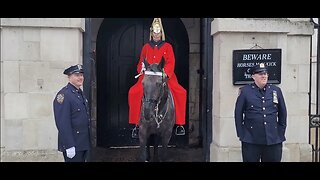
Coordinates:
x,y
160,116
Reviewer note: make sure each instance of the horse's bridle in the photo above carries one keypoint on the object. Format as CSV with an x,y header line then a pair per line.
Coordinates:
x,y
158,117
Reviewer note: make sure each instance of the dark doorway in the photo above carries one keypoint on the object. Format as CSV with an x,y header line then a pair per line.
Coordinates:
x,y
119,43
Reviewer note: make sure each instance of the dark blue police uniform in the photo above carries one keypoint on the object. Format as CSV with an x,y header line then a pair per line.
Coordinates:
x,y
72,118
261,120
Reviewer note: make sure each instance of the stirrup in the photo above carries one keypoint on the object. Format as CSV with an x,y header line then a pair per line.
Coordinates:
x,y
135,132
181,131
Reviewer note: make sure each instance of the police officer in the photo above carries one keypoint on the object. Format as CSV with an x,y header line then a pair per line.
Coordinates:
x,y
72,117
261,118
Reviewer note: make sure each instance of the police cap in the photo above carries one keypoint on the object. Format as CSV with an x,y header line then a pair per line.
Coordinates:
x,y
73,69
259,68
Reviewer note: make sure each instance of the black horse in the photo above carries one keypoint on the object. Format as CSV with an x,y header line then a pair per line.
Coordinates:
x,y
157,113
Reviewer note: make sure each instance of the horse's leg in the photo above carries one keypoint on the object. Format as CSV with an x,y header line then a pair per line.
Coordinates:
x,y
164,141
156,149
143,137
148,149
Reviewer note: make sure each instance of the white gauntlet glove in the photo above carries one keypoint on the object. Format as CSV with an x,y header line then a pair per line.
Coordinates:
x,y
71,152
143,67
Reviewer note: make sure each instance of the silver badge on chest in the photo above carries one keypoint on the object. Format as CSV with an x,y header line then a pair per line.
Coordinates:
x,y
275,97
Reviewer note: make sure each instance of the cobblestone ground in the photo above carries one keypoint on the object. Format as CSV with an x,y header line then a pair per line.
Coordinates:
x,y
130,154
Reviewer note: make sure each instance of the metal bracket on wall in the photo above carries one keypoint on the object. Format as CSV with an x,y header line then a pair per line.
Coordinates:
x,y
314,121
256,46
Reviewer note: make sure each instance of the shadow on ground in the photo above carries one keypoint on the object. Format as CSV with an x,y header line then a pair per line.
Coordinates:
x,y
130,154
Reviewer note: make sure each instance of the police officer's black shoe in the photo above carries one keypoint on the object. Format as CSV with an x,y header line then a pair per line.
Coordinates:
x,y
180,131
135,132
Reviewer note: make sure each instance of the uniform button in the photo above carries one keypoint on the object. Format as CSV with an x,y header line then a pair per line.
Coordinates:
x,y
263,101
265,123
263,108
264,115
251,105
78,132
154,56
78,96
262,97
251,127
78,109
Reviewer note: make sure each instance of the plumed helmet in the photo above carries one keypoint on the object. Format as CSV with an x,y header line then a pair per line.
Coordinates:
x,y
157,27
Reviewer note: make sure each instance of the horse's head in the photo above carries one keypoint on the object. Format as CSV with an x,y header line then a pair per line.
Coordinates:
x,y
154,87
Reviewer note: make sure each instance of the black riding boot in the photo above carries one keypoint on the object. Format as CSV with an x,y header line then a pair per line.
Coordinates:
x,y
180,131
135,132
